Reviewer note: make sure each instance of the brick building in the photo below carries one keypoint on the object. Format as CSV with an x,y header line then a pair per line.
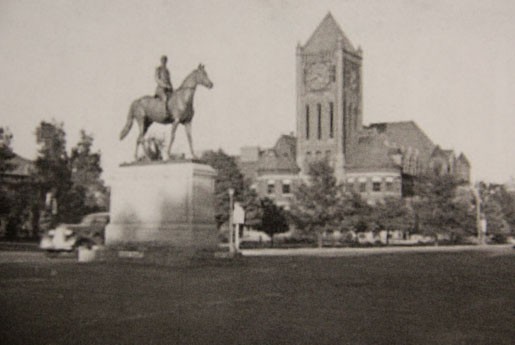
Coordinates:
x,y
377,160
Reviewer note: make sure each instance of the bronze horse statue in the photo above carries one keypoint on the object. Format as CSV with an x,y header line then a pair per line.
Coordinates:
x,y
148,109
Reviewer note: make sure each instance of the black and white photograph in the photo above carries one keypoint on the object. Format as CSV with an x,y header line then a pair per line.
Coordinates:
x,y
257,172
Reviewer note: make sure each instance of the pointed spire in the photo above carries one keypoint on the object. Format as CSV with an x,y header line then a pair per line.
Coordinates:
x,y
326,37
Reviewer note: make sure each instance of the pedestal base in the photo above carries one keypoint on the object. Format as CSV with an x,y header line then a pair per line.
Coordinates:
x,y
163,204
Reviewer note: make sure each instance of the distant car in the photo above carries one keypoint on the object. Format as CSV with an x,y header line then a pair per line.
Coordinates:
x,y
67,237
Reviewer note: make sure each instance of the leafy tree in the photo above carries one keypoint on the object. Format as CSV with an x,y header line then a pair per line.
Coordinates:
x,y
498,207
52,165
16,198
393,214
318,204
437,211
86,170
228,176
274,219
6,154
75,178
357,213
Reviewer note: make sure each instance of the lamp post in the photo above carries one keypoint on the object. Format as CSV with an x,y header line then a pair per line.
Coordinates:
x,y
231,231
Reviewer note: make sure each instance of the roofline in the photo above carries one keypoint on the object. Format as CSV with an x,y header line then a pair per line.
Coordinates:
x,y
330,15
406,122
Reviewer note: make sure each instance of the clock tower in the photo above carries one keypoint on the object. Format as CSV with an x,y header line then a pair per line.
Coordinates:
x,y
329,97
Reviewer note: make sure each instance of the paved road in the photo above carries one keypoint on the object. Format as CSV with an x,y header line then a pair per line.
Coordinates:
x,y
34,257
337,252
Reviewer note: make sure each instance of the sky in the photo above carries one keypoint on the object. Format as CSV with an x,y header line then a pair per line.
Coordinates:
x,y
448,65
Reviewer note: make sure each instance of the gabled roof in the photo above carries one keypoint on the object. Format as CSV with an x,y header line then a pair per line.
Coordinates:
x,y
463,159
271,162
439,152
20,166
326,37
405,134
371,153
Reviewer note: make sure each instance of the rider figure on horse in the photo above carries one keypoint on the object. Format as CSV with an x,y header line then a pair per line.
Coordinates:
x,y
164,87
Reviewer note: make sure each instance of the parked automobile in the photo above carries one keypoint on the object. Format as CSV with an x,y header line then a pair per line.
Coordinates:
x,y
67,237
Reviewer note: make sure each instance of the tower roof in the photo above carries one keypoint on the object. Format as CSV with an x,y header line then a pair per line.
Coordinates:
x,y
463,159
326,37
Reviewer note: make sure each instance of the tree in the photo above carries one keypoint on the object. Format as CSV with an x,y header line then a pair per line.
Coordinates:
x,y
88,188
357,213
74,179
252,206
498,207
437,210
52,164
228,176
6,154
318,204
274,219
393,214
16,197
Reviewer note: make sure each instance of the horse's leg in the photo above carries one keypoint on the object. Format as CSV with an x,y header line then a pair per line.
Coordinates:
x,y
141,135
187,127
172,138
146,124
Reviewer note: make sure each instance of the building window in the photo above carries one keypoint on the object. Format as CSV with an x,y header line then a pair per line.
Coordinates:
x,y
319,111
270,187
331,120
332,74
286,187
376,186
307,121
362,187
389,186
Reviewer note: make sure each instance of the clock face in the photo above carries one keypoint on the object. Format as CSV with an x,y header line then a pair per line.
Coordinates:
x,y
317,76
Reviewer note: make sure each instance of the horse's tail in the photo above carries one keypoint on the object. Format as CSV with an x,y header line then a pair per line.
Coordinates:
x,y
128,124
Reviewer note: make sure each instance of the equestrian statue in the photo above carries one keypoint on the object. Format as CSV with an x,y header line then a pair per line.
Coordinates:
x,y
168,106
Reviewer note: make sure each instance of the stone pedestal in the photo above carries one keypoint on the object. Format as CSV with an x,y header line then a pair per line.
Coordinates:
x,y
167,204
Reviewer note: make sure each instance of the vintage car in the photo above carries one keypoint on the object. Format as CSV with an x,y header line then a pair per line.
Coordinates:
x,y
68,237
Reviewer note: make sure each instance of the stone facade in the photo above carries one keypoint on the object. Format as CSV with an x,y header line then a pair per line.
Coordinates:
x,y
329,96
166,203
273,171
377,161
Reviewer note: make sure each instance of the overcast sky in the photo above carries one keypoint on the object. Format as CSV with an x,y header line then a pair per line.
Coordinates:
x,y
448,65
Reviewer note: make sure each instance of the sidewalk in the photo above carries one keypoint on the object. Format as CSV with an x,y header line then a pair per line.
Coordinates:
x,y
337,252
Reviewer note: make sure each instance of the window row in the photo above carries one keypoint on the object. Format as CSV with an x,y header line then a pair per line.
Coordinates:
x,y
375,184
284,185
319,118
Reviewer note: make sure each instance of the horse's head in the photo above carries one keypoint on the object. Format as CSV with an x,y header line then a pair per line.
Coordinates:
x,y
202,78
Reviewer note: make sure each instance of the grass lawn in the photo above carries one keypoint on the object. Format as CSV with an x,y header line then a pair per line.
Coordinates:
x,y
433,298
